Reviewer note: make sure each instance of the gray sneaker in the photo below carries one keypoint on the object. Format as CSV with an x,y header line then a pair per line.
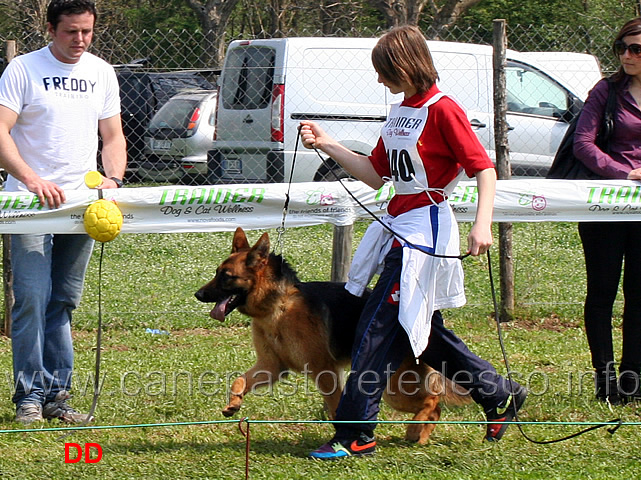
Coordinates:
x,y
29,412
61,410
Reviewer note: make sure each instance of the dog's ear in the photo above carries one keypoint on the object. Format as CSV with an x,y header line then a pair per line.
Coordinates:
x,y
259,252
240,241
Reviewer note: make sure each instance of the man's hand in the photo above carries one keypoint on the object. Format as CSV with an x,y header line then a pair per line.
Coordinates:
x,y
47,192
107,183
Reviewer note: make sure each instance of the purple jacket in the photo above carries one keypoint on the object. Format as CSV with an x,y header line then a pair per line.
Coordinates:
x,y
625,143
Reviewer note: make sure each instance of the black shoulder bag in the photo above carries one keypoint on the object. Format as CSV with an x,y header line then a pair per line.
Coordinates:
x,y
565,164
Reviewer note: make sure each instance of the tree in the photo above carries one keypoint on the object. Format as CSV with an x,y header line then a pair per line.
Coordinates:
x,y
442,13
557,25
213,16
448,13
147,15
571,13
31,15
26,18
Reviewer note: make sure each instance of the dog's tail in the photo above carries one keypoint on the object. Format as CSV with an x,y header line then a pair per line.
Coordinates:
x,y
415,386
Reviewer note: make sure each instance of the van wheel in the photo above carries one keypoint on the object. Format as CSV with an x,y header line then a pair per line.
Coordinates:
x,y
330,171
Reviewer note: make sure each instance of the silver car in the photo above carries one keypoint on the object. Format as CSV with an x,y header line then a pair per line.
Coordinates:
x,y
178,137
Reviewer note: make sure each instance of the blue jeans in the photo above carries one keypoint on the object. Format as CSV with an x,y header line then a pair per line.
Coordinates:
x,y
48,277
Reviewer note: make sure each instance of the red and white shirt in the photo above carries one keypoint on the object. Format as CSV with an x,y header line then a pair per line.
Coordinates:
x,y
424,145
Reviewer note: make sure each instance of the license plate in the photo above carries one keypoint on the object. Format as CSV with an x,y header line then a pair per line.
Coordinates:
x,y
232,165
157,144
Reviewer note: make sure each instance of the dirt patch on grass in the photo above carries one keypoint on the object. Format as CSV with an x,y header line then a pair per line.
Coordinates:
x,y
552,323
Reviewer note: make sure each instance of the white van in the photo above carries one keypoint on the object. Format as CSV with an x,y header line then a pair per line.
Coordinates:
x,y
268,86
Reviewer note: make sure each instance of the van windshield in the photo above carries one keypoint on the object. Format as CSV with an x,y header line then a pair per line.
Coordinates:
x,y
248,78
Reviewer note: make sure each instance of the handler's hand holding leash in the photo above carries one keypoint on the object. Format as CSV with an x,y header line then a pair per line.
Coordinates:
x,y
307,135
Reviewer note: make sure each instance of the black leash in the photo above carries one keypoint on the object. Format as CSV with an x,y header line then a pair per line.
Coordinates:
x,y
96,381
281,230
614,424
407,243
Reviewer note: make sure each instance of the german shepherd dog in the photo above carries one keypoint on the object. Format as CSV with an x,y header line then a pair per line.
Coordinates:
x,y
310,326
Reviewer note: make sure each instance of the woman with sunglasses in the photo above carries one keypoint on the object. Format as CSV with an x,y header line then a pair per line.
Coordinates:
x,y
606,244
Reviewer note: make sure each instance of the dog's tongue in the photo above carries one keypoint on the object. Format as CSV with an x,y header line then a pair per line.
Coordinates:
x,y
218,313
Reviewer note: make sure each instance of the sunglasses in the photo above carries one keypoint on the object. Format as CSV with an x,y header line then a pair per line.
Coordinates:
x,y
634,48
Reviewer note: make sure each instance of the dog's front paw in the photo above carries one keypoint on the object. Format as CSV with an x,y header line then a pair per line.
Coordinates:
x,y
230,410
419,433
413,433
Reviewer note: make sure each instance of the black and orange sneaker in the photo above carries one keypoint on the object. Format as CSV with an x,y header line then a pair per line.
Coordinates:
x,y
334,449
500,420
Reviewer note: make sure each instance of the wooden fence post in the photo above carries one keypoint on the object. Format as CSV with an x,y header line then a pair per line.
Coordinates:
x,y
7,270
504,170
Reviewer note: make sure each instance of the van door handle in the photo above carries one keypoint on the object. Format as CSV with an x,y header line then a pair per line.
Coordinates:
x,y
248,119
477,123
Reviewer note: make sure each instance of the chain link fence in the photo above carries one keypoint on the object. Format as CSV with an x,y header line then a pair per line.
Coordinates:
x,y
169,101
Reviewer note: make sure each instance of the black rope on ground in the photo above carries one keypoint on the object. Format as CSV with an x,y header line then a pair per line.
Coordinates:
x,y
96,383
615,424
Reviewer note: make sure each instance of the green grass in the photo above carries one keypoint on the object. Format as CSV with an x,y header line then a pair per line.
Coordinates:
x,y
148,281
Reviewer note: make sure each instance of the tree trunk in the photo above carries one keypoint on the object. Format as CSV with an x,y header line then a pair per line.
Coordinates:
x,y
408,12
448,14
213,16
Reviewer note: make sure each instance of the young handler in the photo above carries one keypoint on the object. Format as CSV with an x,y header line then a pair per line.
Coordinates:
x,y
425,145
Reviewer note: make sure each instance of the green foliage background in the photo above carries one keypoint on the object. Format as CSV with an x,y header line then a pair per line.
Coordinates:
x,y
177,14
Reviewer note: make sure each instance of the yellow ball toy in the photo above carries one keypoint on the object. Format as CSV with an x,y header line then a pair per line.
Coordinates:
x,y
103,220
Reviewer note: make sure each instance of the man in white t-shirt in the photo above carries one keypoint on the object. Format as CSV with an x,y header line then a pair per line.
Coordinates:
x,y
53,103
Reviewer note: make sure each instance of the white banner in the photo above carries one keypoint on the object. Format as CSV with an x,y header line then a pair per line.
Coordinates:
x,y
260,206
